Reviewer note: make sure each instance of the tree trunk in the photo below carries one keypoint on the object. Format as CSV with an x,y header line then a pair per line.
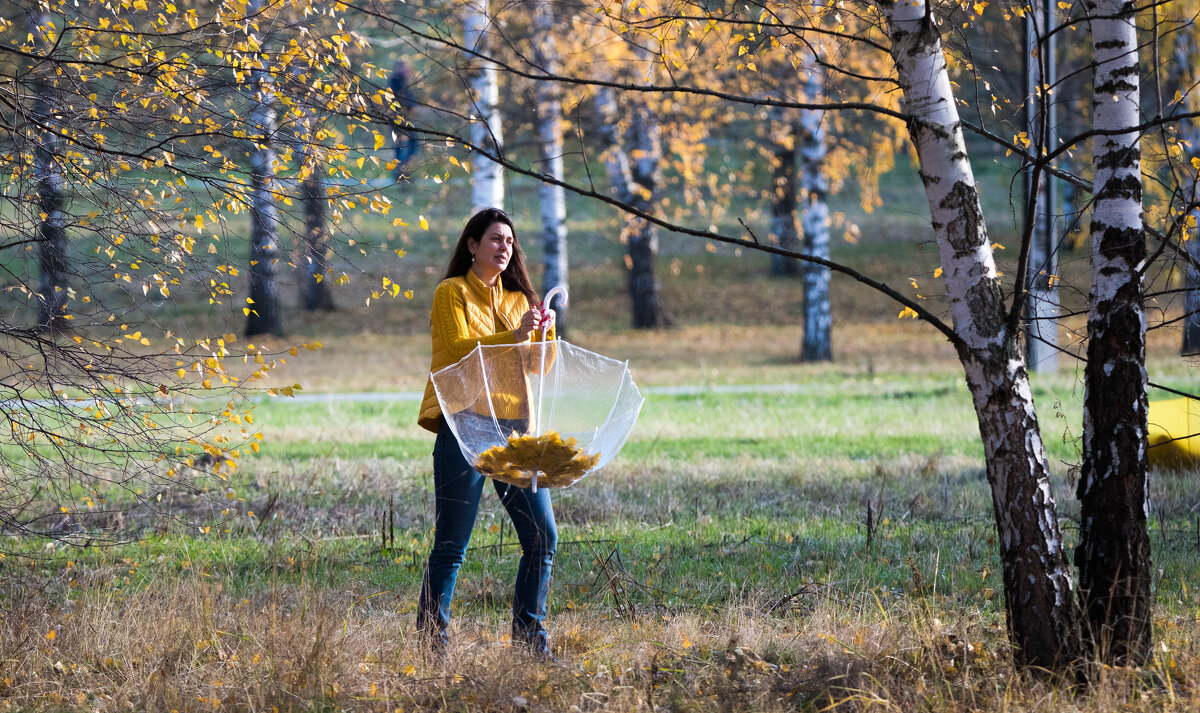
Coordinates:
x,y
634,182
487,189
317,295
1186,56
1042,621
263,316
818,315
1114,548
783,193
1041,307
550,146
51,233
644,288
1191,301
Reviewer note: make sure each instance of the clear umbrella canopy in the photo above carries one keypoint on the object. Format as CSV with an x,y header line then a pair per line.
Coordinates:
x,y
541,413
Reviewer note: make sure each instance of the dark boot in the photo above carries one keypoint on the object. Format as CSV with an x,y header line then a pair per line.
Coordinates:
x,y
536,642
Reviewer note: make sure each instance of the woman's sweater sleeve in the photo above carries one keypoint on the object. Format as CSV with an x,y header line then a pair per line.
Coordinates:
x,y
449,317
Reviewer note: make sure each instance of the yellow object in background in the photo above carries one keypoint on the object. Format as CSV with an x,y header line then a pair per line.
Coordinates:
x,y
1174,425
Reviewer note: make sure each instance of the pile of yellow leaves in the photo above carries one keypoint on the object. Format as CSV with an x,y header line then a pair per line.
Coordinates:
x,y
558,463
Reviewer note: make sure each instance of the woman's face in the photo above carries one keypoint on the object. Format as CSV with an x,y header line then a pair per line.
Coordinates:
x,y
493,251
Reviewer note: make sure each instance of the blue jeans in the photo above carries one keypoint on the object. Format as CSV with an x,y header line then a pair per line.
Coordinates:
x,y
457,489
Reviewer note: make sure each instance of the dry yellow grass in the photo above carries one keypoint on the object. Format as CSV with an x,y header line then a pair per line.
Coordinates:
x,y
192,646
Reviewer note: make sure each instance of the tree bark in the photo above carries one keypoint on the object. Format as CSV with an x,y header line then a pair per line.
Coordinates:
x,y
550,147
1041,305
818,314
487,188
1191,301
51,232
1186,56
635,180
1114,548
317,296
1042,619
783,192
263,316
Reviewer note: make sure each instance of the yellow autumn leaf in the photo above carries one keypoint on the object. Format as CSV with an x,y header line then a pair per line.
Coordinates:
x,y
423,223
908,312
379,141
937,273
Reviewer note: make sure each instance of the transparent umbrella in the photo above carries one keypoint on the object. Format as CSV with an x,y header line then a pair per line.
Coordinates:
x,y
541,413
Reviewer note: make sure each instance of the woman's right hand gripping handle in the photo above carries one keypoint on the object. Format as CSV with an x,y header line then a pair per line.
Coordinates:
x,y
530,321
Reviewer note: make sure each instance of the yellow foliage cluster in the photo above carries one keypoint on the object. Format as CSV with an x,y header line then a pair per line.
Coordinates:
x,y
558,463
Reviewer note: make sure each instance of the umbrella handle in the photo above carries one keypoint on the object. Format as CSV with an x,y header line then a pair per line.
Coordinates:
x,y
557,291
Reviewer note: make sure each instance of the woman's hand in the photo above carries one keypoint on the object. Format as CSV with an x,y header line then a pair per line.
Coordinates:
x,y
548,320
530,321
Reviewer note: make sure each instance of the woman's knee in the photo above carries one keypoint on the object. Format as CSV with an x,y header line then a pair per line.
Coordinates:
x,y
448,551
546,542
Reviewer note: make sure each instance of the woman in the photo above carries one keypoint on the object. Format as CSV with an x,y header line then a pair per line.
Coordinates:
x,y
485,298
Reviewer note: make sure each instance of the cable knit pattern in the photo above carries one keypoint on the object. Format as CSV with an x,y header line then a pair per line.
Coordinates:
x,y
467,313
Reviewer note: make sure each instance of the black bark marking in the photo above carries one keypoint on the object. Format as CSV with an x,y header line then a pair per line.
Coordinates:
x,y
1121,187
1115,86
1122,157
984,300
966,231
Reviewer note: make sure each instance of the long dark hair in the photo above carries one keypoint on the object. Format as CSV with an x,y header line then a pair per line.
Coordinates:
x,y
514,277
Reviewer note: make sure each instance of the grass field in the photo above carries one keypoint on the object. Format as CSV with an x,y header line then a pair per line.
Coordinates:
x,y
783,536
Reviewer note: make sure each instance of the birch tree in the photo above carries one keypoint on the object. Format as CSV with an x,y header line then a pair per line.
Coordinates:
x,y
814,187
317,295
50,235
1041,303
262,310
550,147
1038,591
1114,549
484,92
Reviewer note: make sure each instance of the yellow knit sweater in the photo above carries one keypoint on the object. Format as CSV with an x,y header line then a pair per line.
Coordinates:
x,y
467,313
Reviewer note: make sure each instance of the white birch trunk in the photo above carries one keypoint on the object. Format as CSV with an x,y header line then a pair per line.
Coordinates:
x,y
550,146
486,175
1037,582
818,314
264,317
1114,550
1041,307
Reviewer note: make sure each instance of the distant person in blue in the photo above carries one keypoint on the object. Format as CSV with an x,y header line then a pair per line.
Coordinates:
x,y
406,139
